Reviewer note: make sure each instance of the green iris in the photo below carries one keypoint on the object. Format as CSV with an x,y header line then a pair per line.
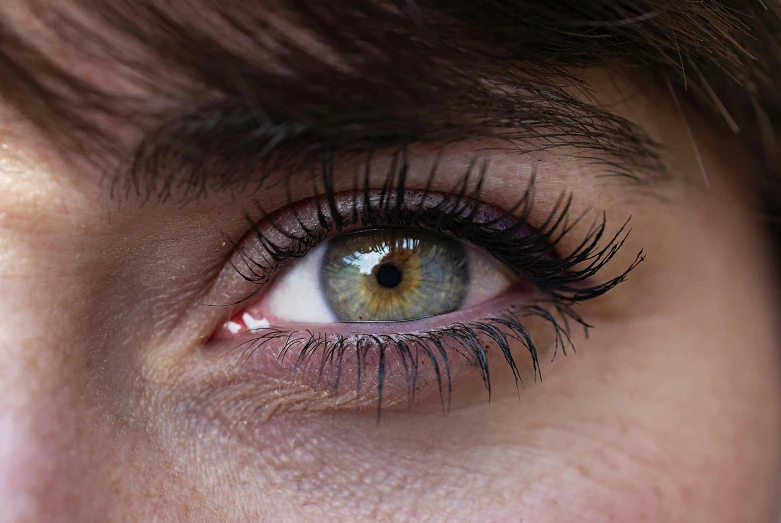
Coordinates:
x,y
394,275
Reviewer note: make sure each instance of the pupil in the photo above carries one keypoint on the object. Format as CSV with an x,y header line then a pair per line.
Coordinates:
x,y
389,276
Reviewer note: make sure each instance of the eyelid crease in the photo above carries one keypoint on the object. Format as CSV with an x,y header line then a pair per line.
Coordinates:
x,y
172,161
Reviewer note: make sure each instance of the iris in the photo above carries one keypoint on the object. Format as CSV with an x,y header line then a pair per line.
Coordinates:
x,y
394,275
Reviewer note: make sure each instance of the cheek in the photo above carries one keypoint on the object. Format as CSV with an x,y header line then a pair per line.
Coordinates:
x,y
671,411
682,409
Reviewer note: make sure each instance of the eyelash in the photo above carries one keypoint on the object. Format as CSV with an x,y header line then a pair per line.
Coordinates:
x,y
530,252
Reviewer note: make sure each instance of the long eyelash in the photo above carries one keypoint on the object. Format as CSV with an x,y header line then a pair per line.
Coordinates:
x,y
531,252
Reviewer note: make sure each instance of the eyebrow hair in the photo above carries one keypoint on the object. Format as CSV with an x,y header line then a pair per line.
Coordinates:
x,y
231,87
229,147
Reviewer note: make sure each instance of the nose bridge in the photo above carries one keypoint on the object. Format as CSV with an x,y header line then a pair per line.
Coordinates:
x,y
39,463
49,427
22,467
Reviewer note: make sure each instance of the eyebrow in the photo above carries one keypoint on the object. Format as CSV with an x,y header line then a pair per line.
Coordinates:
x,y
242,94
228,148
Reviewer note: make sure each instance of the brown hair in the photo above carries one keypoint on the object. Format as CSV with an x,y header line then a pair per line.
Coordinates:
x,y
232,81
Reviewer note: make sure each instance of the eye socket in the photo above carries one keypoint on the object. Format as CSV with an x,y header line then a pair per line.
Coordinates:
x,y
495,277
383,275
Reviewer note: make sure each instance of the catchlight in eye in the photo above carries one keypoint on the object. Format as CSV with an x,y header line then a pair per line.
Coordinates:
x,y
394,275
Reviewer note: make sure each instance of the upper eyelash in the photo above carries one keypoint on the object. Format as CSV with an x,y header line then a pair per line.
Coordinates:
x,y
530,251
532,255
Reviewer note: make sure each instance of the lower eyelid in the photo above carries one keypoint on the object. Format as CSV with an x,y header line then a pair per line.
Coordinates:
x,y
265,354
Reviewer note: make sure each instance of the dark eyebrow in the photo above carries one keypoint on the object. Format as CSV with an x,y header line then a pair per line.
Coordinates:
x,y
229,89
230,147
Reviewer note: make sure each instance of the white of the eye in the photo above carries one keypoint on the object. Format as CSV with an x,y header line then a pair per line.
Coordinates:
x,y
296,296
488,277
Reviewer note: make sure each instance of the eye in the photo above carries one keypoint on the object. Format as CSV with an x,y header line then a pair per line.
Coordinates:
x,y
374,299
384,275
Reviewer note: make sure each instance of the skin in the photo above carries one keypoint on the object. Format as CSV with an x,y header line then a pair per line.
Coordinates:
x,y
115,409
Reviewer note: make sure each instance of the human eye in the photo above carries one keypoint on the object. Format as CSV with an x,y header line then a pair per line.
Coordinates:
x,y
383,275
391,297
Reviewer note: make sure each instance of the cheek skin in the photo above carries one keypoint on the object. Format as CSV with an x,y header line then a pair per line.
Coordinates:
x,y
677,411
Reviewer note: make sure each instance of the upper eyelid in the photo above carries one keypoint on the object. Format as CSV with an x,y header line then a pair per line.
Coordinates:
x,y
594,250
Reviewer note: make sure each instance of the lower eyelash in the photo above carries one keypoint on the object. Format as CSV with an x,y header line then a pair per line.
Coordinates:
x,y
437,347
